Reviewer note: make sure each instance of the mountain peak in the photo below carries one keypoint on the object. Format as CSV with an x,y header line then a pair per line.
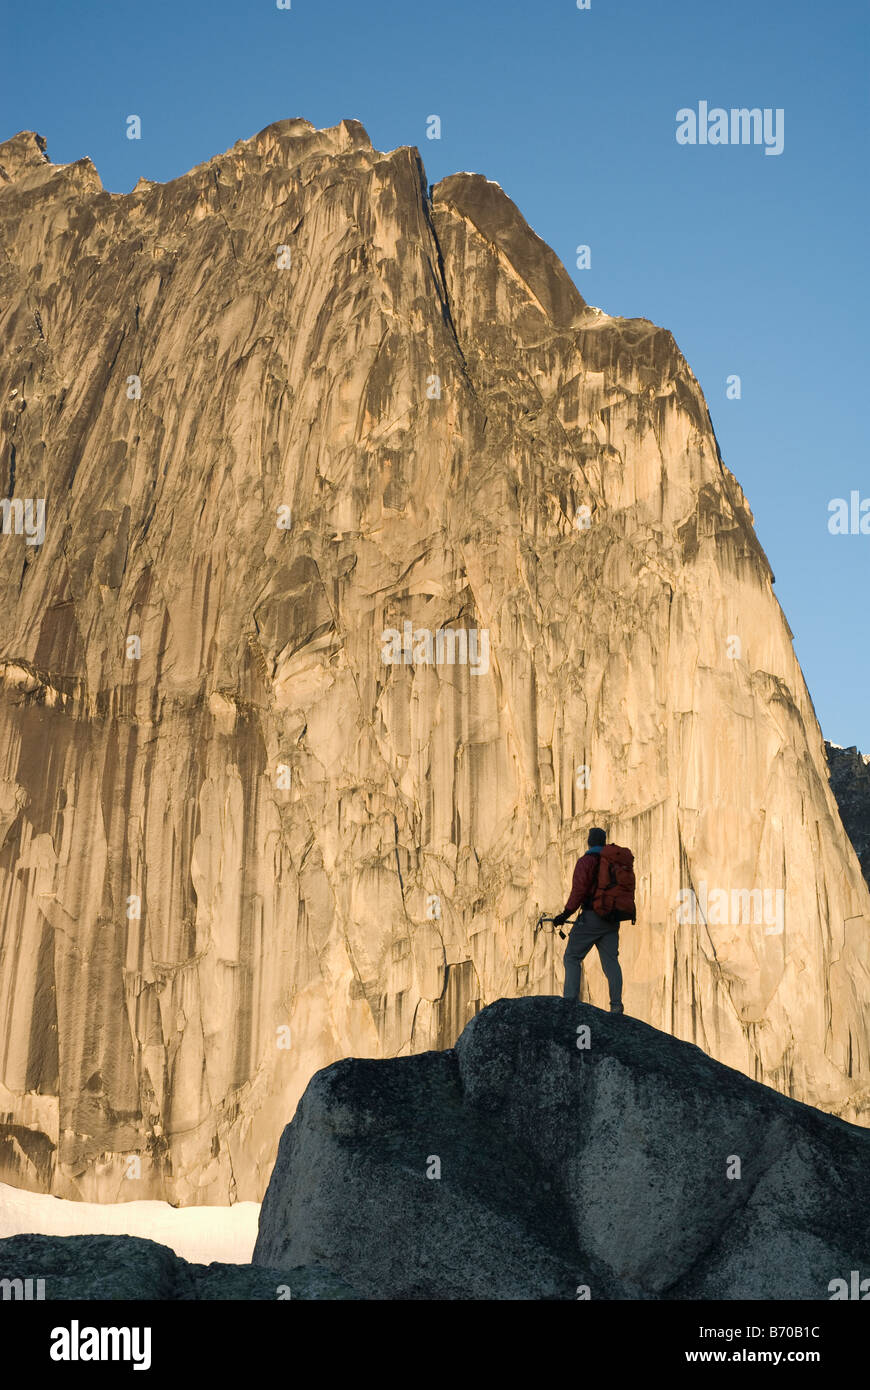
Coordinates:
x,y
485,204
21,153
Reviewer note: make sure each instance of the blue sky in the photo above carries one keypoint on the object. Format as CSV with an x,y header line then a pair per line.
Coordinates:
x,y
755,262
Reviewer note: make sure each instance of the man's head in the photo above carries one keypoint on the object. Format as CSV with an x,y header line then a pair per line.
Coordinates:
x,y
596,837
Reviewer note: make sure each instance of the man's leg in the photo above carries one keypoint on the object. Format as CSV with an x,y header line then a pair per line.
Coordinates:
x,y
608,952
580,943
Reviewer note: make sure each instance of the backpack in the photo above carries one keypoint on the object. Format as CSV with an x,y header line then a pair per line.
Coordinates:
x,y
613,896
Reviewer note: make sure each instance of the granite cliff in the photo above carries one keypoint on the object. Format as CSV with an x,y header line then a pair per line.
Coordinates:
x,y
374,567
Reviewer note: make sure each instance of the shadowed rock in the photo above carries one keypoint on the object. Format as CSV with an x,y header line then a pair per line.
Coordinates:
x,y
603,1165
850,781
126,1267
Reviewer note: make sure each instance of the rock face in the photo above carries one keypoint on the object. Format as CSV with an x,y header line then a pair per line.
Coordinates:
x,y
850,781
559,1152
126,1267
282,412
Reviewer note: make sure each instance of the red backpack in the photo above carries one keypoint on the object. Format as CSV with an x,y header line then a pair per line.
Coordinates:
x,y
614,891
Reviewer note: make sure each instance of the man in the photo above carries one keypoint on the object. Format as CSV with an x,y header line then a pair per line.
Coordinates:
x,y
590,930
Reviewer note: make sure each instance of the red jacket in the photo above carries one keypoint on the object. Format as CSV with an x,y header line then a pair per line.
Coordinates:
x,y
583,886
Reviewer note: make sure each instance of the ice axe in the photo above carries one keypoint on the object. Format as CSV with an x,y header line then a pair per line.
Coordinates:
x,y
540,922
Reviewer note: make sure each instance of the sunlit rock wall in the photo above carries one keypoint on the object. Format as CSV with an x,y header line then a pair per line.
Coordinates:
x,y
303,433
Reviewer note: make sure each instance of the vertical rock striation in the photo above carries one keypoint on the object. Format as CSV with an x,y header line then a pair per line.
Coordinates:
x,y
278,408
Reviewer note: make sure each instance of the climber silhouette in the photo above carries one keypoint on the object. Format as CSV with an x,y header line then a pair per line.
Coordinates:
x,y
592,929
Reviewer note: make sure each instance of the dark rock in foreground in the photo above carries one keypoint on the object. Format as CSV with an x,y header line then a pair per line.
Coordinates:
x,y
520,1165
564,1168
126,1267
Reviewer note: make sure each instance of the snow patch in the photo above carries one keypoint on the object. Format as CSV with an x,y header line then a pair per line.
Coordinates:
x,y
202,1235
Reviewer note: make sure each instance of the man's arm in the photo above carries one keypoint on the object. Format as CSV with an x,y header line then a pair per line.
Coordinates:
x,y
585,874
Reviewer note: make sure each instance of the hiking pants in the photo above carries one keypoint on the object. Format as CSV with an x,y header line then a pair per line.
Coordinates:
x,y
591,930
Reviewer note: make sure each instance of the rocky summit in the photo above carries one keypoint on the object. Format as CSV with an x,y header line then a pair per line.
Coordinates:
x,y
351,567
560,1152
